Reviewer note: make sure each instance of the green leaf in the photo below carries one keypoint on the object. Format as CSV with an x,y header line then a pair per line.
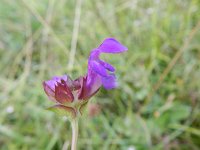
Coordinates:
x,y
62,110
174,115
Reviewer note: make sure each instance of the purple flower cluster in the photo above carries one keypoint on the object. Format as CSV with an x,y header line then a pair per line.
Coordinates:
x,y
65,91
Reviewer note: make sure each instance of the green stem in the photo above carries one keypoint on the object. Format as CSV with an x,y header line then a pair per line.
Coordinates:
x,y
74,124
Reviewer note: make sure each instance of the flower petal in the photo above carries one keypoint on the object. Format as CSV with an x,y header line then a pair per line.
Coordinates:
x,y
51,84
110,45
107,65
109,82
98,68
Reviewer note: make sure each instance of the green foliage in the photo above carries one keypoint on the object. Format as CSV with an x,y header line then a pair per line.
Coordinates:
x,y
35,43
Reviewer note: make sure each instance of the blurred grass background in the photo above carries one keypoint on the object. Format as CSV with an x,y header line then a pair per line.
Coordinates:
x,y
157,103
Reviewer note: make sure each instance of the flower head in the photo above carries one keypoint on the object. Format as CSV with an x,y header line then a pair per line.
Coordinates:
x,y
68,93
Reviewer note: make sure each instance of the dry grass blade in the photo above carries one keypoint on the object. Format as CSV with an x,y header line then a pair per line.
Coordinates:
x,y
75,34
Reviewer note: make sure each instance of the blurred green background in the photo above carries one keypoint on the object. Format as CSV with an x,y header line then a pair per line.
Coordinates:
x,y
157,103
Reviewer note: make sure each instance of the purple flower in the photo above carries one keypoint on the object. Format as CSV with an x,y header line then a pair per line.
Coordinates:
x,y
67,92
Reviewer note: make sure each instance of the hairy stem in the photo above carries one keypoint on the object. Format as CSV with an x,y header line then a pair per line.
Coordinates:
x,y
74,124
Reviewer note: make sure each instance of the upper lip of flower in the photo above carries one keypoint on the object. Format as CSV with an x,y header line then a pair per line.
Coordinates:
x,y
64,90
